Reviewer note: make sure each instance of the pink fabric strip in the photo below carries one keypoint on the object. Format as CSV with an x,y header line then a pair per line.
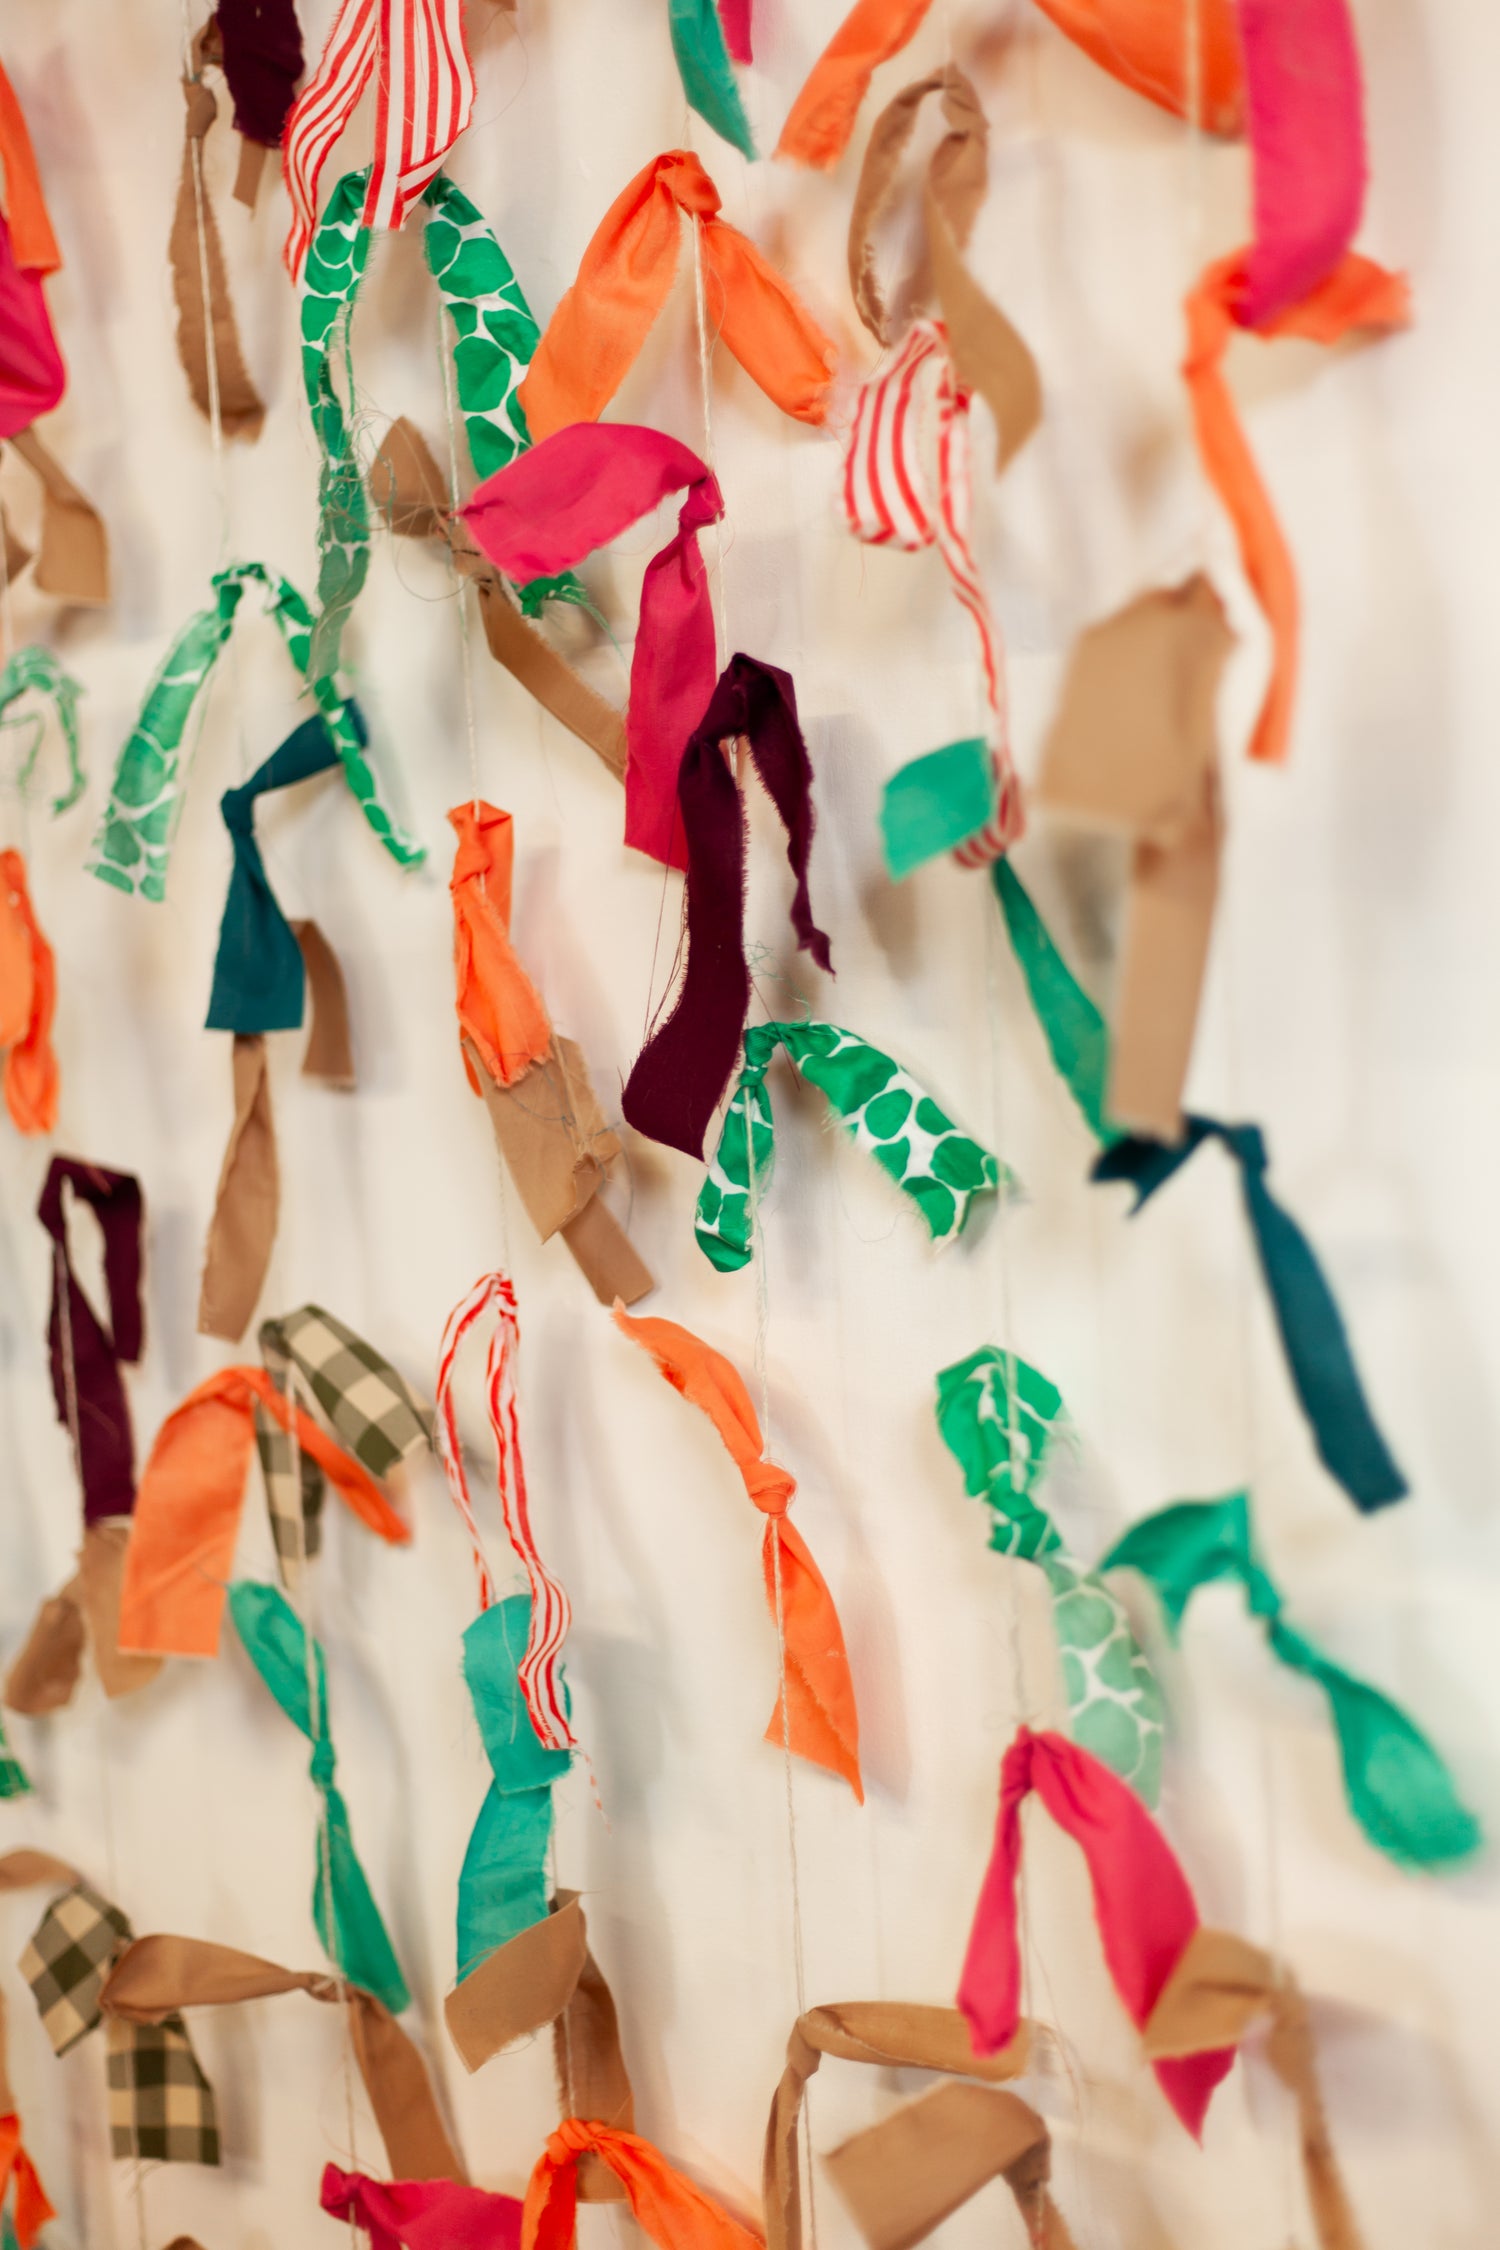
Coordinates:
x,y
32,376
1307,141
734,15
422,2214
1142,1902
551,1611
558,501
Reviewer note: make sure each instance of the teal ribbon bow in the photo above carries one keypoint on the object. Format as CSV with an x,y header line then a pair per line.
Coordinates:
x,y
885,1110
502,1886
998,1416
134,841
344,1910
1399,1789
259,981
1311,1327
707,76
34,670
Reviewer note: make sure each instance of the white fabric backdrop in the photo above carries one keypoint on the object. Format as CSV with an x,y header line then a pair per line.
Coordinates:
x,y
1349,1013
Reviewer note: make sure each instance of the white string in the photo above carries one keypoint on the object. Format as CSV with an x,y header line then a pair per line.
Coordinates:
x,y
471,727
716,582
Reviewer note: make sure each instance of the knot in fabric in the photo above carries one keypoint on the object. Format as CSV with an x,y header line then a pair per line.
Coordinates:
x,y
770,1487
574,2137
324,1763
689,186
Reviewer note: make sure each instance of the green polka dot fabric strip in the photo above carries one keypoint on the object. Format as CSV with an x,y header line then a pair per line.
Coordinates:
x,y
885,1111
134,840
998,1417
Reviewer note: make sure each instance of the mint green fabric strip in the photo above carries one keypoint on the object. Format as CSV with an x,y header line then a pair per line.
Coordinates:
x,y
998,1417
1076,1033
502,1886
133,844
34,670
885,1111
936,803
1398,1787
344,1910
706,72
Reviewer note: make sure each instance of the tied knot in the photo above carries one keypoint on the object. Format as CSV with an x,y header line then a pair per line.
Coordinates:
x,y
689,186
573,2138
237,808
324,1763
770,1487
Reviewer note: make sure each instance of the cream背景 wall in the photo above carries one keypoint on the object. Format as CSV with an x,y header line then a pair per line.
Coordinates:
x,y
1349,1012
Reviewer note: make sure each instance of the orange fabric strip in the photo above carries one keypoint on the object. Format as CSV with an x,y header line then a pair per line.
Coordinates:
x,y
822,1717
1141,42
623,281
28,998
499,1008
822,117
1357,294
188,1505
672,2211
31,236
32,2209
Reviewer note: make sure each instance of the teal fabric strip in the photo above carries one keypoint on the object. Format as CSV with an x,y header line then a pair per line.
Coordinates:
x,y
998,1416
34,670
502,1886
936,803
1076,1034
1398,1787
344,1910
706,72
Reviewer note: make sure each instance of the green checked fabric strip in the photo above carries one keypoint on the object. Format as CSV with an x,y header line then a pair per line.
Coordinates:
x,y
1114,1704
370,1409
161,2106
36,671
134,841
885,1111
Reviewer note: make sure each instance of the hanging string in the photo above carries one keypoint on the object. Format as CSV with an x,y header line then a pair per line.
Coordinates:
x,y
450,410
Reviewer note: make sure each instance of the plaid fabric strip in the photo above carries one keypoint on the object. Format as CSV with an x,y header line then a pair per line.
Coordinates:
x,y
68,1960
370,1409
161,2107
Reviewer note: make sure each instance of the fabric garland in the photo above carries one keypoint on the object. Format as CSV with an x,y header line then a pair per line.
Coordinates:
x,y
134,839
679,1077
998,1417
28,1000
1142,1903
34,670
820,1721
885,1111
344,1911
624,280
1399,1789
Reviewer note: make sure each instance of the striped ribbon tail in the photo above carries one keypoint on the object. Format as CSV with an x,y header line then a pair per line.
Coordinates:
x,y
424,99
551,1612
916,410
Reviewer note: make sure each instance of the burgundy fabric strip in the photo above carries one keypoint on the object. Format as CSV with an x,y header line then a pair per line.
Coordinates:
x,y
85,1355
681,1072
262,45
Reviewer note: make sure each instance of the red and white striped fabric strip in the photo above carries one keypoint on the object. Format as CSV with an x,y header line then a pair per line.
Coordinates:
x,y
917,408
424,99
551,1611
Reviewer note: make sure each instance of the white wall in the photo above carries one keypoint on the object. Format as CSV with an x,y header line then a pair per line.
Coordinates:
x,y
1350,1012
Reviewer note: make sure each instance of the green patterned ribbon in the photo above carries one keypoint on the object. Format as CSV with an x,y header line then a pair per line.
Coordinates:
x,y
347,1918
502,1886
997,1415
35,670
1398,1787
495,339
886,1111
707,76
134,839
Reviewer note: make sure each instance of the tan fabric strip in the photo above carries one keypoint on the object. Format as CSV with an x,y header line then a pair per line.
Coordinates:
x,y
407,486
521,1987
44,1676
606,1256
21,1870
550,678
241,413
904,2176
243,1227
101,1574
249,171
330,1052
73,560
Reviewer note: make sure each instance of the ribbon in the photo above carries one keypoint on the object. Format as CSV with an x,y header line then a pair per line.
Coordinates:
x,y
258,970
1358,294
625,278
372,1410
885,1111
424,97
134,839
998,1415
73,560
33,243
159,1975
671,2210
500,1011
1076,1034
34,670
1318,1357
85,1613
1133,750
891,2035
572,493
502,1886
1140,43
1219,1989
262,44
551,1611
32,2206
1142,1903
1399,1789
208,340
735,16
422,2214
680,1074
242,1229
88,1389
701,48
344,1910
187,1509
28,999
32,375
900,2179
822,117
815,1714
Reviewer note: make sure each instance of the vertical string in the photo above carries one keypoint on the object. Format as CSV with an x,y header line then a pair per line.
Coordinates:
x,y
470,724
